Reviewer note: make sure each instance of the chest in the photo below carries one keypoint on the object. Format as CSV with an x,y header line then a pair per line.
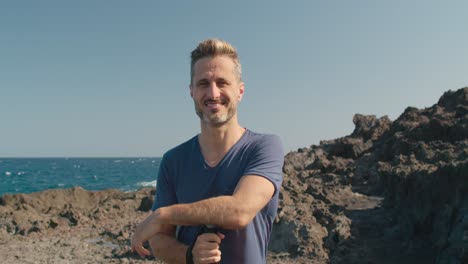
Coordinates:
x,y
196,180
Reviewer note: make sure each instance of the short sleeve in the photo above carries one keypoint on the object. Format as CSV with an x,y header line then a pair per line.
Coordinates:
x,y
165,193
267,160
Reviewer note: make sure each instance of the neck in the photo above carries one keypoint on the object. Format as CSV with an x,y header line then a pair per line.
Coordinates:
x,y
215,141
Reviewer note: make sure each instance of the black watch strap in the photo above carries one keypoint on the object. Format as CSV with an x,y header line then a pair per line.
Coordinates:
x,y
188,255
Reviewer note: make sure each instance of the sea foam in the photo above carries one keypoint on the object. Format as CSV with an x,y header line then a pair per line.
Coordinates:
x,y
147,184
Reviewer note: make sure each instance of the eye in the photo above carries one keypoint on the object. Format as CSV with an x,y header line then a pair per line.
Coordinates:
x,y
222,83
202,83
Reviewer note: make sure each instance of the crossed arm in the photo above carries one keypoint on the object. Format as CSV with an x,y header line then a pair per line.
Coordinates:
x,y
228,212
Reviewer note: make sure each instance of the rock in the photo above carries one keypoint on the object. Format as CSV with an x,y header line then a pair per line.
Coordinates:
x,y
146,204
347,147
369,127
70,214
418,163
452,100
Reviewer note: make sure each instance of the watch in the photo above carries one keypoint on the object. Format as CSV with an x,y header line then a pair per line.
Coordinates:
x,y
188,255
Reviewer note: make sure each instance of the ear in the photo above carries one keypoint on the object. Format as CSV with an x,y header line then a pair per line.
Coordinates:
x,y
241,91
191,90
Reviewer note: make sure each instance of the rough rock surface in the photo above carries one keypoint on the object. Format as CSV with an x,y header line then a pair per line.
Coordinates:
x,y
390,192
71,226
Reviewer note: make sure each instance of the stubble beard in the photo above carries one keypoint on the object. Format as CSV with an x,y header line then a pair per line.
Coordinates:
x,y
216,119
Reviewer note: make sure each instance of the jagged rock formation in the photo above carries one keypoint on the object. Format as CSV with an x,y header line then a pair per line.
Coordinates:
x,y
391,192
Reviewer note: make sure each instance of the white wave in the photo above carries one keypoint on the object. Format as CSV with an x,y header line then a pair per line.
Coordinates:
x,y
7,173
20,173
147,184
60,185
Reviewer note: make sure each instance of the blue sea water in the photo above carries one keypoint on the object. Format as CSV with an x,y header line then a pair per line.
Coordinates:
x,y
27,175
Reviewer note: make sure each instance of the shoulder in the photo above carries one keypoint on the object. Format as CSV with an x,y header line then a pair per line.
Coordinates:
x,y
181,150
266,158
264,141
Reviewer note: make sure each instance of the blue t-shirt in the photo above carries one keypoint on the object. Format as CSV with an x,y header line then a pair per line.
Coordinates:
x,y
185,177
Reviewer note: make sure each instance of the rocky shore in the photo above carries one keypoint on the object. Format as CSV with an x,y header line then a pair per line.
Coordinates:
x,y
71,226
391,192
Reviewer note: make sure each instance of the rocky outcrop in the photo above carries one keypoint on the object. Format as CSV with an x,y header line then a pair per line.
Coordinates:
x,y
389,192
423,164
71,226
36,212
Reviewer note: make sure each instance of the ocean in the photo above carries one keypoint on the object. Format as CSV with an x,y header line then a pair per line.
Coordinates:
x,y
27,175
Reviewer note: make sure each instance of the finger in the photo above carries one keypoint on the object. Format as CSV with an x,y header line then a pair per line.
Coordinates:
x,y
133,245
203,255
206,247
210,260
210,237
221,235
138,247
143,252
208,254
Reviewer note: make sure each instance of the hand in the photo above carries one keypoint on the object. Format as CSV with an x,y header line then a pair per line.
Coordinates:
x,y
206,248
144,231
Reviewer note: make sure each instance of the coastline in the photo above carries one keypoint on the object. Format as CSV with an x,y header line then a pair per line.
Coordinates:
x,y
72,226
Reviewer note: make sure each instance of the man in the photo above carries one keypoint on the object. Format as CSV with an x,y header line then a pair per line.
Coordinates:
x,y
226,176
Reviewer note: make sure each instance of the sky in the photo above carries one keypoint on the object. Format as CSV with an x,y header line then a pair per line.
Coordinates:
x,y
110,78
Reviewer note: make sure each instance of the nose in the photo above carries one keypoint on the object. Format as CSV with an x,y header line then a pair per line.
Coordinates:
x,y
213,90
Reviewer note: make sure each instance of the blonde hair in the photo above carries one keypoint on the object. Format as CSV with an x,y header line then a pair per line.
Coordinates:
x,y
213,48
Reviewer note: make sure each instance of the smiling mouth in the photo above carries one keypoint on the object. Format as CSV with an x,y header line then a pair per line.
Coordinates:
x,y
214,104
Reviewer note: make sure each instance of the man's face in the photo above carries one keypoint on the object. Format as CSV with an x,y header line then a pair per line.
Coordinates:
x,y
216,90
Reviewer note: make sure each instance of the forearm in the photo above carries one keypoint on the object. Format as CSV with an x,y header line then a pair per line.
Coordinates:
x,y
168,248
252,193
223,211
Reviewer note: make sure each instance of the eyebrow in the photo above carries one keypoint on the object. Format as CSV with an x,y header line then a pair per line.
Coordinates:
x,y
202,80
222,79
216,80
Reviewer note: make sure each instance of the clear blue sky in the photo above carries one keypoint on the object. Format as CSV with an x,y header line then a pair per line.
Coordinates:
x,y
110,78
